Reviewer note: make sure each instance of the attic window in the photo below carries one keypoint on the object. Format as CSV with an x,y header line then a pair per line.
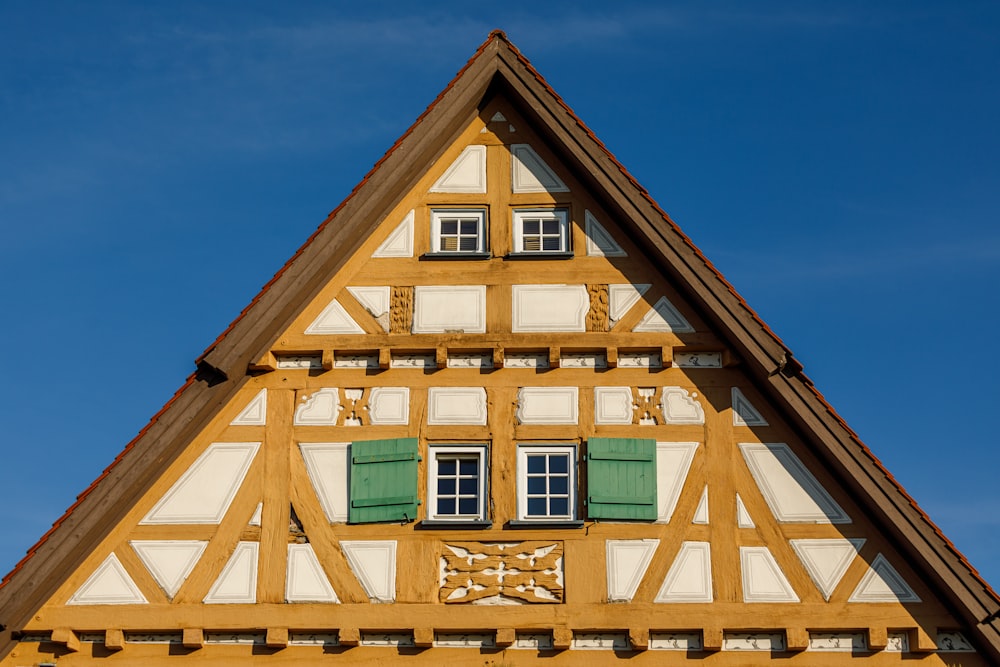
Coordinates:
x,y
460,232
541,232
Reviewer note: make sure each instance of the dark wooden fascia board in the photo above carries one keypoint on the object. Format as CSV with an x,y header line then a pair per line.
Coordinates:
x,y
345,230
106,503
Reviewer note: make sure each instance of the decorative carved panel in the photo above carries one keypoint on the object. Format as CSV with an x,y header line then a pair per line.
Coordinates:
x,y
508,572
597,317
401,313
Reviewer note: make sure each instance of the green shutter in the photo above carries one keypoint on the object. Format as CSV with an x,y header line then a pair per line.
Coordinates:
x,y
383,481
621,479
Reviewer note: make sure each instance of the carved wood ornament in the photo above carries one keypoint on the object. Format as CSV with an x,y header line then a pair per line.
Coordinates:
x,y
522,571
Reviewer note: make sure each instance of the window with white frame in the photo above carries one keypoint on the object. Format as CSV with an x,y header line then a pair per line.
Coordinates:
x,y
541,231
546,483
458,231
456,486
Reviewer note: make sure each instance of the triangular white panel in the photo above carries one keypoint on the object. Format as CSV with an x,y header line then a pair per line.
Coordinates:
x,y
169,561
255,413
255,519
498,118
529,173
791,491
203,493
374,564
621,298
466,174
763,580
743,519
701,512
882,583
327,465
334,320
238,581
744,413
376,300
690,577
673,461
305,580
826,560
400,242
663,317
109,584
627,561
600,243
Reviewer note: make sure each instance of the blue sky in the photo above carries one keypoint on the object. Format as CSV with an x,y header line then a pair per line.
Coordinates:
x,y
837,161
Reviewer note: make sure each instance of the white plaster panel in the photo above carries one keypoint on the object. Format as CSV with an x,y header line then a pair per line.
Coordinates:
x,y
600,242
255,518
321,408
456,405
535,641
203,493
305,580
681,407
376,300
763,580
255,413
470,360
583,360
389,406
374,564
744,413
238,581
299,362
109,584
419,360
327,464
395,639
608,641
169,561
360,361
529,173
621,298
449,308
613,405
464,640
313,639
639,360
838,642
675,641
826,560
548,405
882,583
627,561
526,360
792,493
898,642
334,320
952,641
690,576
701,512
743,519
663,317
753,641
698,359
549,308
400,242
673,461
466,174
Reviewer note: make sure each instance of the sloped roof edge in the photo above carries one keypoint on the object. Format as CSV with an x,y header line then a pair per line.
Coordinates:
x,y
256,326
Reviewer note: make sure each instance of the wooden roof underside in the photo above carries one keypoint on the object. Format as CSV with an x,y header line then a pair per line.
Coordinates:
x,y
497,66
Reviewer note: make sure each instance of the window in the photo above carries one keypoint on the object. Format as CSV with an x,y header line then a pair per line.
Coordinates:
x,y
546,483
544,231
621,479
383,481
456,485
455,231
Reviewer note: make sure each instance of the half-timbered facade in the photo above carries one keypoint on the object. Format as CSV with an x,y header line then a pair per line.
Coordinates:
x,y
497,410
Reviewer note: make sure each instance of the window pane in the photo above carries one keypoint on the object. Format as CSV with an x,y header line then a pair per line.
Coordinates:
x,y
449,243
530,226
446,466
446,486
536,463
559,463
468,506
468,485
468,466
550,226
468,244
536,485
446,506
536,507
558,485
470,227
449,226
559,506
552,244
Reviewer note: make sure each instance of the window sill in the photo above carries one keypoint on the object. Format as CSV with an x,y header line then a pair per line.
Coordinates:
x,y
540,255
431,524
456,255
522,524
